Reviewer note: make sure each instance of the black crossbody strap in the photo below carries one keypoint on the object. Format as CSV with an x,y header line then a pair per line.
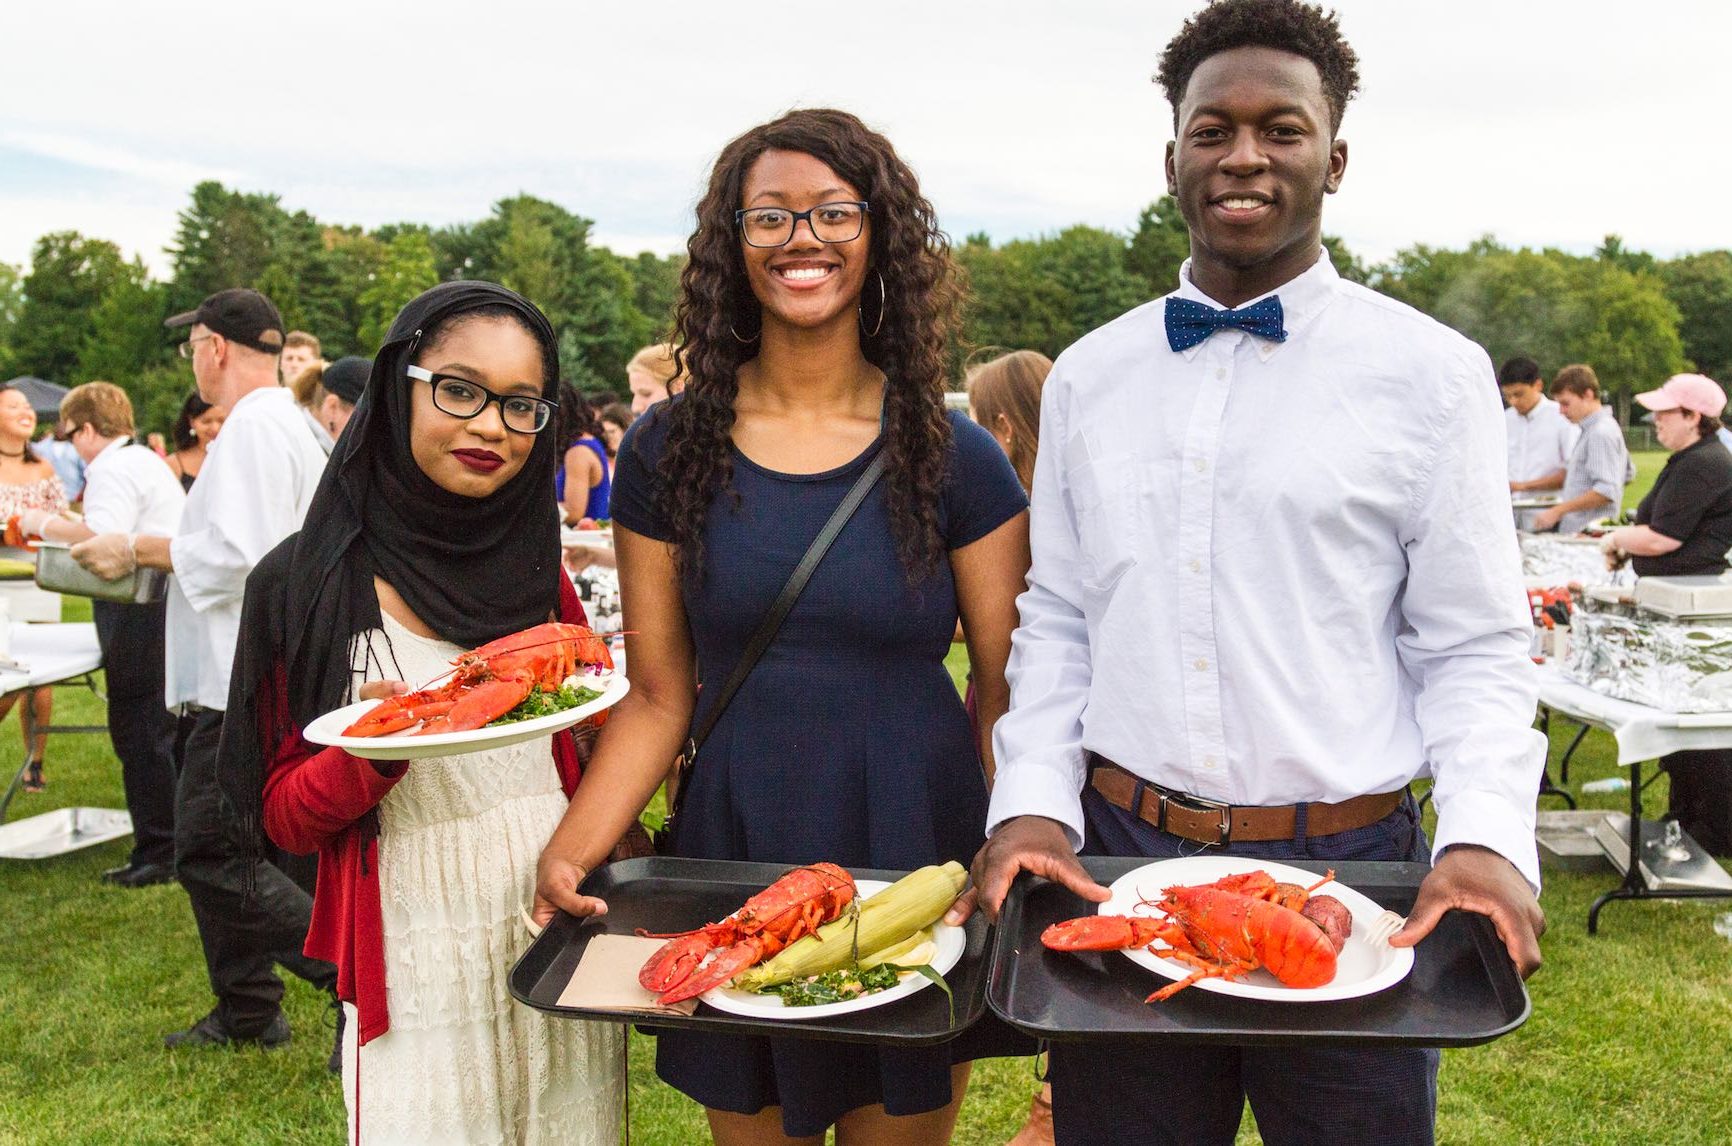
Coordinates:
x,y
784,604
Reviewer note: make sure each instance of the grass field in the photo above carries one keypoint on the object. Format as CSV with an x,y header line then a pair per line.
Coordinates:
x,y
1627,1042
1649,463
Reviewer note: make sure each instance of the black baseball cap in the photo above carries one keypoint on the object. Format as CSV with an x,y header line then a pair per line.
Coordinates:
x,y
347,377
239,315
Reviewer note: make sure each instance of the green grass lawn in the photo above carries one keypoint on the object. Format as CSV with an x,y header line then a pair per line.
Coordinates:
x,y
1627,1042
1649,463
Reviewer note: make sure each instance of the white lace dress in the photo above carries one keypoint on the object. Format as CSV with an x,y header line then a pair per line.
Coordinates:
x,y
463,1063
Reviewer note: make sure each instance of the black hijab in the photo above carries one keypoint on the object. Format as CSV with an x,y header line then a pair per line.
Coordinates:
x,y
472,568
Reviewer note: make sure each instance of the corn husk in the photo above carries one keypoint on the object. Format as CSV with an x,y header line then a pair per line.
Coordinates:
x,y
915,951
880,923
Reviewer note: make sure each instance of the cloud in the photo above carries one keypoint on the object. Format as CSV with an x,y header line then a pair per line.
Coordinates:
x,y
1022,117
100,156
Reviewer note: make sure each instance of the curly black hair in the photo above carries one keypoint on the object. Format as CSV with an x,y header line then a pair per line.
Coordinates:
x,y
718,316
1288,25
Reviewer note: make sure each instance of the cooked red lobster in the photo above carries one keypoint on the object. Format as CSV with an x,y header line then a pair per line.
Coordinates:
x,y
489,682
791,908
1226,929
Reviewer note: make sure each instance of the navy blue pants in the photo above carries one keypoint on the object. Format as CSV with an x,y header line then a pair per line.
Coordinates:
x,y
1190,1095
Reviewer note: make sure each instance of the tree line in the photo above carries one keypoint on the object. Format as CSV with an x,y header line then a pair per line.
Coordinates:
x,y
83,311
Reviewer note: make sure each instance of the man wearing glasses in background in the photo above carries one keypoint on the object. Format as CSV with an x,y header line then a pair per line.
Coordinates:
x,y
252,493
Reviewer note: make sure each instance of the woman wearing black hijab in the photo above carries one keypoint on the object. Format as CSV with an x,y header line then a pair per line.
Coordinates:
x,y
431,533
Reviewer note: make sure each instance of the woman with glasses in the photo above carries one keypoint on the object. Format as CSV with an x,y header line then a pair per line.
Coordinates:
x,y
431,533
813,319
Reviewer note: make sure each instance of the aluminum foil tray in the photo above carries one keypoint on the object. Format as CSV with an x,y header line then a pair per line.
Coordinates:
x,y
1674,666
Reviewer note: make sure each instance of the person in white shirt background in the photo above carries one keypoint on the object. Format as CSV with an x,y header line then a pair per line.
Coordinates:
x,y
1600,465
300,351
127,491
1540,437
252,492
1275,579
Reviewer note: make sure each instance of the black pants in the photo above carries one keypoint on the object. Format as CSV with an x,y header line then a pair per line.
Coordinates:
x,y
1701,798
1184,1095
139,726
243,936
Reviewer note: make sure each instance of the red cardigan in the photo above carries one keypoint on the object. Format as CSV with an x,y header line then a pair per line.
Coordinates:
x,y
314,800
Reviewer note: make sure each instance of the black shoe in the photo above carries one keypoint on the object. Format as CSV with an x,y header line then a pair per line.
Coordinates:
x,y
335,1065
139,875
211,1031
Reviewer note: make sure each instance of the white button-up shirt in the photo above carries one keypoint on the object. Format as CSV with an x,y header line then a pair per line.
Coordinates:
x,y
1540,440
128,489
252,492
1267,573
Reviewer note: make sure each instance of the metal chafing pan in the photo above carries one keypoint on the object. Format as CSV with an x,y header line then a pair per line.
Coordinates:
x,y
57,572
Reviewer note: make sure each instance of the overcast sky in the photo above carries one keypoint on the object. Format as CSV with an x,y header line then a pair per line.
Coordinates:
x,y
1527,118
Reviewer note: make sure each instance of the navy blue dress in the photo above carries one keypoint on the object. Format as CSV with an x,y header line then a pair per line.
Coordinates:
x,y
847,742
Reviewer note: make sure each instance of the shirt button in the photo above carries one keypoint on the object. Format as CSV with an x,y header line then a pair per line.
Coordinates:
x,y
1202,465
1196,566
1201,665
1220,374
1209,762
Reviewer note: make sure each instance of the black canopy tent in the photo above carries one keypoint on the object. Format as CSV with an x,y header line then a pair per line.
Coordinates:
x,y
44,396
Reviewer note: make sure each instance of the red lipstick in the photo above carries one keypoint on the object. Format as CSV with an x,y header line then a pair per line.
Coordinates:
x,y
481,461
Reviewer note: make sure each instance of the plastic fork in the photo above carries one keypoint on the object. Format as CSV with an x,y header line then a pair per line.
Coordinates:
x,y
1383,927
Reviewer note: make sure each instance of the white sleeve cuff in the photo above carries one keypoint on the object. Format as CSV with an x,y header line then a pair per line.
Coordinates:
x,y
1051,788
1489,820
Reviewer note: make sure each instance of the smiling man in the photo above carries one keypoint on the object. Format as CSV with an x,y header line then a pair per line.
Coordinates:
x,y
1275,580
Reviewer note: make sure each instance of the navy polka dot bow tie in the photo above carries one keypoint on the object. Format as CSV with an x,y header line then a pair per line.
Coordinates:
x,y
1190,322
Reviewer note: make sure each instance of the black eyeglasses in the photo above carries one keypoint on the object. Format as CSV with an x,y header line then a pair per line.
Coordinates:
x,y
838,222
462,398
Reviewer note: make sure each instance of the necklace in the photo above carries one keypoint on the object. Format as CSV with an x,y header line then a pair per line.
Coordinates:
x,y
9,454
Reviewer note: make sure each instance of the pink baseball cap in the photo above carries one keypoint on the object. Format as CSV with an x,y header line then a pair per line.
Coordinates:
x,y
1697,393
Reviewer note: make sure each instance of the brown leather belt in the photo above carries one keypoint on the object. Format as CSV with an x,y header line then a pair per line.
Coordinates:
x,y
1208,822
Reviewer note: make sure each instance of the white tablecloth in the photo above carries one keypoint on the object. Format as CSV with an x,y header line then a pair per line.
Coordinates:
x,y
50,653
1642,733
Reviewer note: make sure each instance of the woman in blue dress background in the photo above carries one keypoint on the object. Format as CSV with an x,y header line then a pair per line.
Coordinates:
x,y
582,482
814,317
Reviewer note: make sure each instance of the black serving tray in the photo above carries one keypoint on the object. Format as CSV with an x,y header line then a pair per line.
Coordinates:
x,y
663,893
1463,989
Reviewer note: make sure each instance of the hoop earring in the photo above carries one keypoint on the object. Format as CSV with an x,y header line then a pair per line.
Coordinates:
x,y
879,325
742,338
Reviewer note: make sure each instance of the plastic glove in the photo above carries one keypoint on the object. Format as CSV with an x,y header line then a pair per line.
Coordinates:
x,y
31,521
108,555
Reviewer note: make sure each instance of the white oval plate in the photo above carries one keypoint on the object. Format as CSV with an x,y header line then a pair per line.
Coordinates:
x,y
593,538
405,745
1360,969
951,942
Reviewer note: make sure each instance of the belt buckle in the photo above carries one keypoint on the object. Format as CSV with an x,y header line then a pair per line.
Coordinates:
x,y
1199,804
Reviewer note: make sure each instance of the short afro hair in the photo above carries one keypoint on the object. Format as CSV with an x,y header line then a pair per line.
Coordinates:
x,y
1287,25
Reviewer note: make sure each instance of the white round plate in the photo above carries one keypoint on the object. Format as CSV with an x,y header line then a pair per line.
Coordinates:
x,y
1360,969
593,538
405,745
950,940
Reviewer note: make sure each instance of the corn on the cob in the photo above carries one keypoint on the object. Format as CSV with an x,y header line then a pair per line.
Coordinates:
x,y
917,900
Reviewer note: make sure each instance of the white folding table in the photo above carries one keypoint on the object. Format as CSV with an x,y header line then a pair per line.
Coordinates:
x,y
47,655
1642,734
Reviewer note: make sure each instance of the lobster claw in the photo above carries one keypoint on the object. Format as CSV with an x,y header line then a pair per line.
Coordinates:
x,y
1102,933
674,962
395,713
724,965
479,704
